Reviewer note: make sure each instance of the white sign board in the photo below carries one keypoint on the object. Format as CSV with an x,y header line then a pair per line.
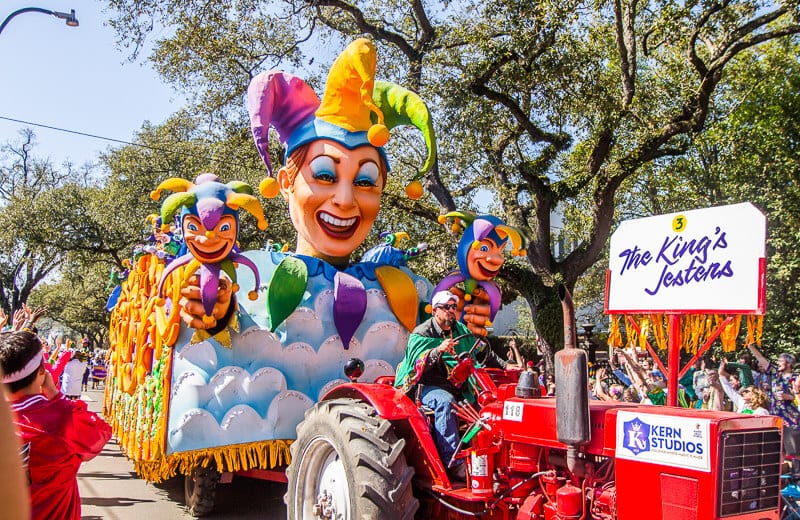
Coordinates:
x,y
672,441
703,261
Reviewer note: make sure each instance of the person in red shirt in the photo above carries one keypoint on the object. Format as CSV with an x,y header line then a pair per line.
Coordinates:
x,y
59,434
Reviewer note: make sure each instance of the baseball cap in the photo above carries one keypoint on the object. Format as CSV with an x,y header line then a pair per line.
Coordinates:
x,y
442,297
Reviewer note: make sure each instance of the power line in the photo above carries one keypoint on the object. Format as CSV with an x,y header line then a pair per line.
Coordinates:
x,y
140,145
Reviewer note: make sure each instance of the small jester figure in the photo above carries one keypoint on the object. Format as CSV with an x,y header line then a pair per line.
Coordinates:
x,y
389,252
480,257
210,224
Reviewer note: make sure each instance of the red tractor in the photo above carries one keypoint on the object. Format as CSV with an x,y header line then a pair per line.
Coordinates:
x,y
366,452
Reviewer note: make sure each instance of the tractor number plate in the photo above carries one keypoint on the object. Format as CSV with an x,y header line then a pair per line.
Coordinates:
x,y
513,411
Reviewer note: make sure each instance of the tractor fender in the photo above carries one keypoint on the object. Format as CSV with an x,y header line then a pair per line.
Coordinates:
x,y
393,405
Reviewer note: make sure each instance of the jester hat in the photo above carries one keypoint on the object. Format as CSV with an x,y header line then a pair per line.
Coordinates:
x,y
480,227
208,199
356,110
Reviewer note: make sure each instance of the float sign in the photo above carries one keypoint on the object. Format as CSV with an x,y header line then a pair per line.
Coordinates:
x,y
670,441
698,261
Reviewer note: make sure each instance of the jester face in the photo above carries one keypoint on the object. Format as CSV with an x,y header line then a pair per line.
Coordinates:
x,y
485,260
209,246
334,199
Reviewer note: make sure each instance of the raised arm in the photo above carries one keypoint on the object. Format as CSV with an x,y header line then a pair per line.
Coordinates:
x,y
599,391
635,371
519,361
763,363
733,395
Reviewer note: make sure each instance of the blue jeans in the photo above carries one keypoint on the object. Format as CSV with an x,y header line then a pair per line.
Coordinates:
x,y
445,425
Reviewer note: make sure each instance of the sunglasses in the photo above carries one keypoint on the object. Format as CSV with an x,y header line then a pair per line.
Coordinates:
x,y
448,306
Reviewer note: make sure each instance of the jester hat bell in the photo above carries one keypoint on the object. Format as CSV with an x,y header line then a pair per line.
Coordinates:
x,y
356,110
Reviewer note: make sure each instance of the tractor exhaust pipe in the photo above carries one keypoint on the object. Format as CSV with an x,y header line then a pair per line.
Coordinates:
x,y
568,310
572,388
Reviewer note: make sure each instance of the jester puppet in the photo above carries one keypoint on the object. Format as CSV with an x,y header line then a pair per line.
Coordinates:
x,y
209,214
480,257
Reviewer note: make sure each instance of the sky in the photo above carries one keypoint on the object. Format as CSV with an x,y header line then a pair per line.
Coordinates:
x,y
74,78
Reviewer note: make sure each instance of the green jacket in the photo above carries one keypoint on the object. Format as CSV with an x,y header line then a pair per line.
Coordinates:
x,y
421,343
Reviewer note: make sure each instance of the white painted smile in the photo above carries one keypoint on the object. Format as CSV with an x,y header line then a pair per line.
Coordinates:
x,y
333,221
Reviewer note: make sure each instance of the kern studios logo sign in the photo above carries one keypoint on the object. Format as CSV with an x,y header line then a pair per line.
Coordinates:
x,y
670,440
636,436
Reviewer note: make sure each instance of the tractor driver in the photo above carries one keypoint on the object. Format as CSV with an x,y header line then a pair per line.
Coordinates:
x,y
430,357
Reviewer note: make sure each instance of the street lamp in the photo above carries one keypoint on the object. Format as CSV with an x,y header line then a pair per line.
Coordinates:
x,y
68,17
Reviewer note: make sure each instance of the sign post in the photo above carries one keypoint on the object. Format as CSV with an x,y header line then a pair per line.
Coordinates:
x,y
704,261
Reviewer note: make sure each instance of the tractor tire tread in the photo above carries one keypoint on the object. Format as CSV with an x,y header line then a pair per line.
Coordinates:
x,y
382,475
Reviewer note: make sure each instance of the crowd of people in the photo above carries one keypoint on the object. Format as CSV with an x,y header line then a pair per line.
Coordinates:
x,y
752,385
56,431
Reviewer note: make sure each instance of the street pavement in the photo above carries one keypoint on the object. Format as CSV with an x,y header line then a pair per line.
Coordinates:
x,y
111,490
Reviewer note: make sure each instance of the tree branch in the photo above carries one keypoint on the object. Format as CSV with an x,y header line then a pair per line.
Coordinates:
x,y
626,45
365,26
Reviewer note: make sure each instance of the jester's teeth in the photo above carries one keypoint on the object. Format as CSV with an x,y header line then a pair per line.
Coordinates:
x,y
330,219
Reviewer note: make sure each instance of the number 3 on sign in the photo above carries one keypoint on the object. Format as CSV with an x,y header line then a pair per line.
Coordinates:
x,y
679,223
512,411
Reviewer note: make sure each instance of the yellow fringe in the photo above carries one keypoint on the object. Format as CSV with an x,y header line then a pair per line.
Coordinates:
x,y
659,330
236,457
614,332
695,330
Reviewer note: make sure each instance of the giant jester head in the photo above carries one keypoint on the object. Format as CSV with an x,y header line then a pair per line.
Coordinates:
x,y
356,110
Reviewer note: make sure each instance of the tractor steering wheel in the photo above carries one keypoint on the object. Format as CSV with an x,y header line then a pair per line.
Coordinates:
x,y
465,362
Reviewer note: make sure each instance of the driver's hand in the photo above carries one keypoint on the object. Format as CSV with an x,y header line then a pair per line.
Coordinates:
x,y
476,312
448,346
192,307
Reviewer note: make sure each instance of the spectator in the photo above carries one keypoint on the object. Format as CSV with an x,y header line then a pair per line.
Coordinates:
x,y
782,398
14,491
733,379
98,370
72,377
60,434
652,390
748,399
716,394
687,381
550,384
57,362
616,362
614,392
629,395
743,372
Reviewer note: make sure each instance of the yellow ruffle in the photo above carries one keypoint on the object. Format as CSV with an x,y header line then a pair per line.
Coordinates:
x,y
237,457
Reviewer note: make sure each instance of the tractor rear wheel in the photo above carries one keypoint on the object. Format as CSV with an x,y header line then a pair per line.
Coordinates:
x,y
200,489
348,464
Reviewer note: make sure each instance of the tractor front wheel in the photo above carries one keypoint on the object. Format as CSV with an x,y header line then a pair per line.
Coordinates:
x,y
200,489
348,464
